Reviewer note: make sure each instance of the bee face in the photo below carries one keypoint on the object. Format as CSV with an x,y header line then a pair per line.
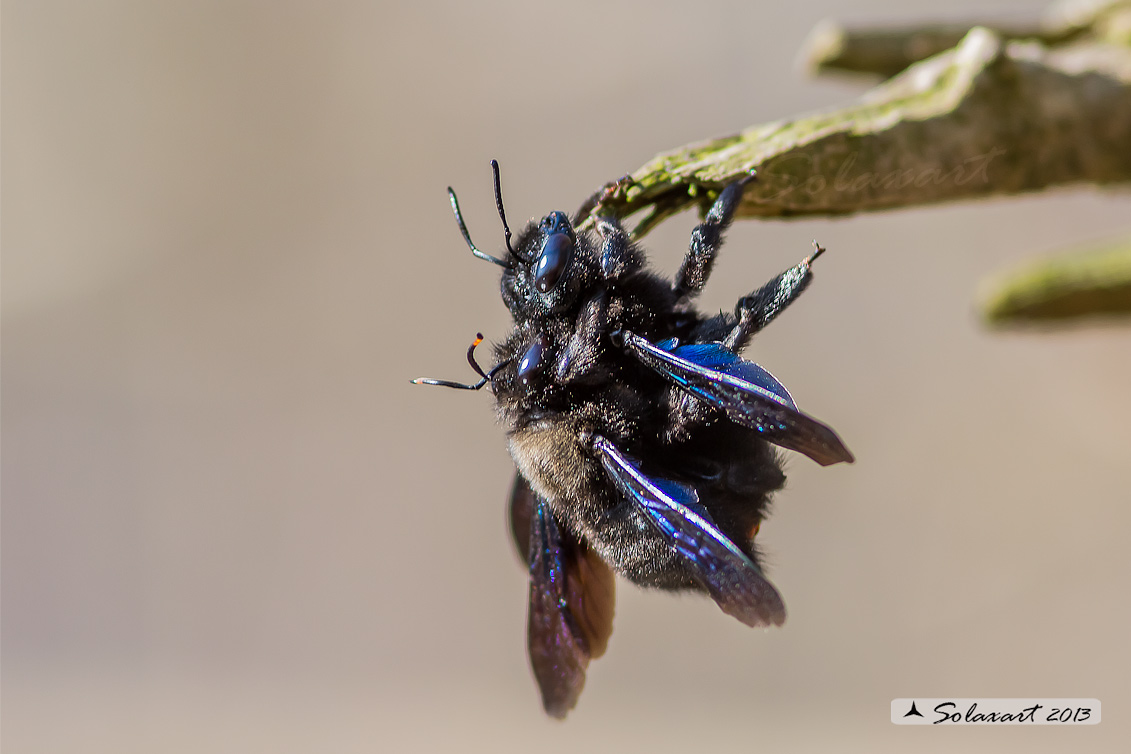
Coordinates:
x,y
532,365
527,384
552,266
530,386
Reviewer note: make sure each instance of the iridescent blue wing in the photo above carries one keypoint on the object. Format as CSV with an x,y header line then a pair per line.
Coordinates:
x,y
570,618
719,357
732,579
748,394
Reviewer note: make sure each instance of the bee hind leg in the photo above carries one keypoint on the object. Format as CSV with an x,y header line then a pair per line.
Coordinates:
x,y
758,309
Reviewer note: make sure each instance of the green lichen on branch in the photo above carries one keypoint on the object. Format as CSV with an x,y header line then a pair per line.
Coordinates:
x,y
1094,282
986,118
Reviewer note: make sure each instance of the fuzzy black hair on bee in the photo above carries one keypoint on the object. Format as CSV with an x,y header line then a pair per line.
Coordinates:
x,y
645,445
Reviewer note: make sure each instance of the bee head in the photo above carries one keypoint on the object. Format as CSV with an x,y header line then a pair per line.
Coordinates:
x,y
546,268
552,266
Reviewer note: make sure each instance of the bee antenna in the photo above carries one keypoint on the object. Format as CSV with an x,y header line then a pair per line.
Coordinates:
x,y
487,376
467,236
471,356
499,204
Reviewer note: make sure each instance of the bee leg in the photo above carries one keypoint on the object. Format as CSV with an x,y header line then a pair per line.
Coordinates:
x,y
706,239
618,256
583,351
760,308
599,197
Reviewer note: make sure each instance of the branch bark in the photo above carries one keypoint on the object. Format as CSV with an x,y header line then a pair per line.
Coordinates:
x,y
989,117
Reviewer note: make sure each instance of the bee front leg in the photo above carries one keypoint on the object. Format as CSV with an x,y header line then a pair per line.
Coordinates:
x,y
706,239
760,308
618,256
582,353
599,197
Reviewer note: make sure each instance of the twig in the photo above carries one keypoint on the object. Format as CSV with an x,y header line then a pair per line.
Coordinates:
x,y
1093,282
986,118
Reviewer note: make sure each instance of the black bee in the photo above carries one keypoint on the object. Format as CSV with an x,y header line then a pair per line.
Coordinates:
x,y
644,444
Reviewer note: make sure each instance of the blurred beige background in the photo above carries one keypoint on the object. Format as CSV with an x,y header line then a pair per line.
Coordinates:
x,y
230,524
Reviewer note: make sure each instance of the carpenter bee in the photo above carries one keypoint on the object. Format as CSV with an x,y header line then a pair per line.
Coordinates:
x,y
644,443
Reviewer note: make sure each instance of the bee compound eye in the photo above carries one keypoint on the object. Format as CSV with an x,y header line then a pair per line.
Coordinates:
x,y
556,252
530,365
